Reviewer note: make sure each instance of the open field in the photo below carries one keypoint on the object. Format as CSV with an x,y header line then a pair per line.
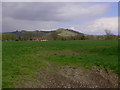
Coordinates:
x,y
60,64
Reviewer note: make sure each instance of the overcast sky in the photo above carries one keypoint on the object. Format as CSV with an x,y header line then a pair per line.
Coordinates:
x,y
85,17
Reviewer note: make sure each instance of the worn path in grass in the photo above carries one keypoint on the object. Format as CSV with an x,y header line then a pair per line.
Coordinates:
x,y
69,76
53,76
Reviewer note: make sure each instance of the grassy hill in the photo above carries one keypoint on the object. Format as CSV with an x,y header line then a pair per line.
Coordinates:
x,y
61,34
66,32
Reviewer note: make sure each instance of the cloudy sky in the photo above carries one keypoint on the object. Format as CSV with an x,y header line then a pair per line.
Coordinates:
x,y
85,17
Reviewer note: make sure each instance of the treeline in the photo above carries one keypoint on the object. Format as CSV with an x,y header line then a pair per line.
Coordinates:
x,y
50,36
9,37
101,37
53,36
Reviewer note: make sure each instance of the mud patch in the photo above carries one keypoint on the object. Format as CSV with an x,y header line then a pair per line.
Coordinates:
x,y
94,78
66,77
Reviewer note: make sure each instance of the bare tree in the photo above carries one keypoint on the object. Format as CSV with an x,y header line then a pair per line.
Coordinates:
x,y
108,34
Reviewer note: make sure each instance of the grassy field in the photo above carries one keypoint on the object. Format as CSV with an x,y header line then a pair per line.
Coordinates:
x,y
21,60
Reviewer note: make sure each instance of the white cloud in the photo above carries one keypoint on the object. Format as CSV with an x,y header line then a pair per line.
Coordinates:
x,y
72,28
98,26
83,10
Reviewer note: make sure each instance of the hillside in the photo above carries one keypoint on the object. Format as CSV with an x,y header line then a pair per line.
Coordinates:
x,y
58,34
66,32
61,32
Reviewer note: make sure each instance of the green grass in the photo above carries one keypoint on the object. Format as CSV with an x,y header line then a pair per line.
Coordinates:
x,y
21,60
67,33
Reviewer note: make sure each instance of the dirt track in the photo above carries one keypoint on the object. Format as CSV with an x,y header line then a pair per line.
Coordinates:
x,y
70,77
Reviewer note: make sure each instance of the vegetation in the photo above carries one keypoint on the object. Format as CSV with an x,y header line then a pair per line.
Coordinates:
x,y
9,37
59,34
22,59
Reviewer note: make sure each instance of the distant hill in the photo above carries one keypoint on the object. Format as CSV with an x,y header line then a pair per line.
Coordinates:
x,y
57,34
61,32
